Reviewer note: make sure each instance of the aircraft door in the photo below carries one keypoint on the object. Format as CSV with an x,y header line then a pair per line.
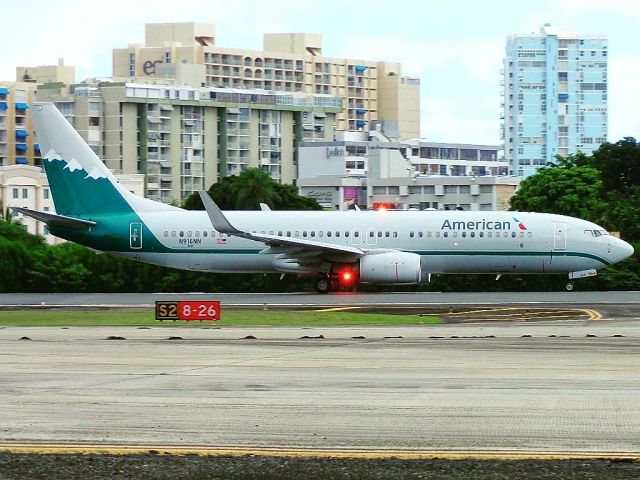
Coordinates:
x,y
372,236
559,236
135,235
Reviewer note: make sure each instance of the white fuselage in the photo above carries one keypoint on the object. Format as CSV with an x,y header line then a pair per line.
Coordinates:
x,y
447,241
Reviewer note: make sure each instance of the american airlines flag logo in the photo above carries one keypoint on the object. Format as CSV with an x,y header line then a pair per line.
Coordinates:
x,y
221,241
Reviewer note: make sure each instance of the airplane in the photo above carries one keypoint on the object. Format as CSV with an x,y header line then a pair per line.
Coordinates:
x,y
340,248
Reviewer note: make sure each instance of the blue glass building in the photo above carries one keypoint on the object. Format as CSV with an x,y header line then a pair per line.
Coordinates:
x,y
554,97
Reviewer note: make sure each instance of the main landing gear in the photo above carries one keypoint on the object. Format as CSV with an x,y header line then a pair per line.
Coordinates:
x,y
323,285
569,286
338,279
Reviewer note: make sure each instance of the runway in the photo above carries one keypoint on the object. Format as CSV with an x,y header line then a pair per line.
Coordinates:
x,y
628,299
548,387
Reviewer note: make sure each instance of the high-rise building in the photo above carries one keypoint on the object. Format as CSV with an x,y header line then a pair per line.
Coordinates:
x,y
290,62
554,98
186,138
17,144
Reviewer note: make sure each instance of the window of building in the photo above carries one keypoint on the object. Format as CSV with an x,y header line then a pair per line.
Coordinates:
x,y
45,193
15,193
25,193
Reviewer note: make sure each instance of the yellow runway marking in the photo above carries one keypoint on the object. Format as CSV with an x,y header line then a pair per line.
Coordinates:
x,y
520,311
314,453
593,314
335,309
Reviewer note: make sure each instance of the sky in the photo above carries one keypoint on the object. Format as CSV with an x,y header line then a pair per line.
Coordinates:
x,y
455,47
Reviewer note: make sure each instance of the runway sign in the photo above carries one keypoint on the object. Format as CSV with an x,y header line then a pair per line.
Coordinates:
x,y
188,310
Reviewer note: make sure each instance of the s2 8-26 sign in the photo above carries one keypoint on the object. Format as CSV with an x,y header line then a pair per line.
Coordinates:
x,y
188,310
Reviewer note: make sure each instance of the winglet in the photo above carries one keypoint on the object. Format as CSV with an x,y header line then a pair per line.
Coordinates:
x,y
218,220
264,207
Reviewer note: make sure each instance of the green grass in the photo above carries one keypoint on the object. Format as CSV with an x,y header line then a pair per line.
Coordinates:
x,y
277,318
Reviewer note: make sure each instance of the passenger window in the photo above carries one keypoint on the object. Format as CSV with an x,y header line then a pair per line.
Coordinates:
x,y
181,233
280,233
270,232
337,234
386,234
204,234
529,234
166,233
411,234
455,234
320,233
328,234
513,234
296,234
371,234
379,234
481,234
521,234
445,234
356,234
464,234
346,234
489,234
288,234
173,233
313,234
395,234
473,234
437,234
420,234
497,234
304,234
197,233
429,234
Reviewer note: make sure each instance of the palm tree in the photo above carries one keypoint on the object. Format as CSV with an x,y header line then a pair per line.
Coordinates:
x,y
254,186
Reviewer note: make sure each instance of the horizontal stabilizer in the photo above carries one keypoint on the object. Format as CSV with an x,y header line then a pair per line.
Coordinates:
x,y
52,218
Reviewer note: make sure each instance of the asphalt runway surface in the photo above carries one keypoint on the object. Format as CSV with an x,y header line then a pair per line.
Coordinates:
x,y
567,387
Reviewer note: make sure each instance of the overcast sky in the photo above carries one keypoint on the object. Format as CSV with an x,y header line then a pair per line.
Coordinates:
x,y
455,46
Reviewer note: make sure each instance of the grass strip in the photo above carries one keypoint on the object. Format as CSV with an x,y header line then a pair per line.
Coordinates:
x,y
275,318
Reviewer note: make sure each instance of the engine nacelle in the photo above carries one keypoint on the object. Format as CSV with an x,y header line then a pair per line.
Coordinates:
x,y
390,267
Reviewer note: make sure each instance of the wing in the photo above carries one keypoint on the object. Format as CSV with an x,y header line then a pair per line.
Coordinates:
x,y
275,243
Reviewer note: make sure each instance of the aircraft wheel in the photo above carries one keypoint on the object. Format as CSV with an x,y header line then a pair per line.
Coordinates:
x,y
323,285
569,286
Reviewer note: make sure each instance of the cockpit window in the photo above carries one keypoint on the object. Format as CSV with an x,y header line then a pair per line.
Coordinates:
x,y
595,233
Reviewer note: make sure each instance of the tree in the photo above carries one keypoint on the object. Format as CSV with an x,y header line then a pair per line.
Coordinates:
x,y
566,189
254,186
618,163
247,190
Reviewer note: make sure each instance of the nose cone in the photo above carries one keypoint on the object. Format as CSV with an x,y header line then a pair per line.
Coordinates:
x,y
620,250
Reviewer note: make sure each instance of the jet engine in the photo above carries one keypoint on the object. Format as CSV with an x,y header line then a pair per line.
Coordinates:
x,y
390,267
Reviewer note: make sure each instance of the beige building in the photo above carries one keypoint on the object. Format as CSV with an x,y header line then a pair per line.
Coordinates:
x,y
290,62
17,142
185,138
27,186
47,74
